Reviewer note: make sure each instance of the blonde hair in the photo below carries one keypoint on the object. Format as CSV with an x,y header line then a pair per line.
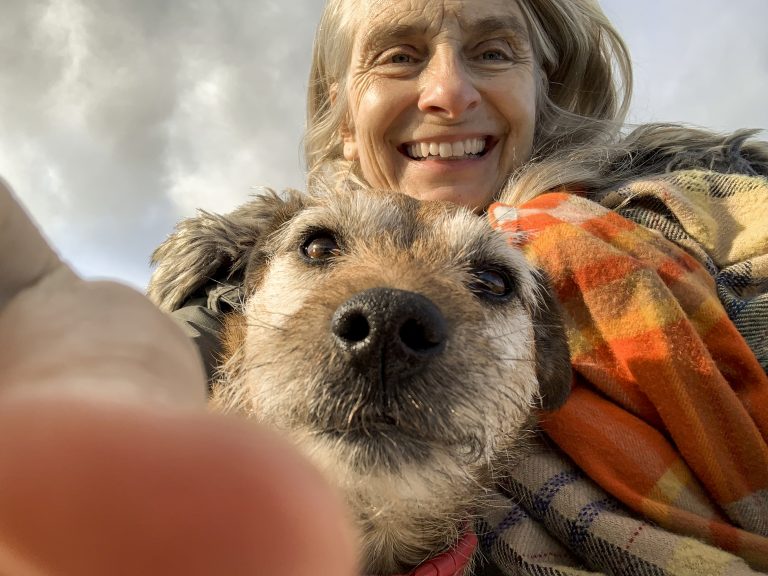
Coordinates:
x,y
584,65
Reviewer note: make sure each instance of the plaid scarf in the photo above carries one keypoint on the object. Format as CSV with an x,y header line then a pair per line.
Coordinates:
x,y
658,462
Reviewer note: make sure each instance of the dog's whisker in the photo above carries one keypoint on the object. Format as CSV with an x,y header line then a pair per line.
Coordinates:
x,y
515,359
262,324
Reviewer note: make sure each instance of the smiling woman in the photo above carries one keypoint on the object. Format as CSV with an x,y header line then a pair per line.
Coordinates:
x,y
446,100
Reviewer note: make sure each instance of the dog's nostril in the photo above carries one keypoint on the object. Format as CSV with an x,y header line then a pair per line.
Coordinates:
x,y
419,337
353,328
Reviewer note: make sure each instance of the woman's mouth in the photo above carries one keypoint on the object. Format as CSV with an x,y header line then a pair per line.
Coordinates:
x,y
459,150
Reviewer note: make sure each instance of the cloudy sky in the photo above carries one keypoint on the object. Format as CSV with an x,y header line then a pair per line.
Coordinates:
x,y
119,117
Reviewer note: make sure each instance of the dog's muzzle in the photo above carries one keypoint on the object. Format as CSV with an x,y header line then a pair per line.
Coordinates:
x,y
389,344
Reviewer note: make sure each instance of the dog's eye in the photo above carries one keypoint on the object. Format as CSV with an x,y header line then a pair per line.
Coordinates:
x,y
320,246
491,282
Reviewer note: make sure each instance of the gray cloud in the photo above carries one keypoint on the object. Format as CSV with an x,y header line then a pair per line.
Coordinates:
x,y
703,62
118,117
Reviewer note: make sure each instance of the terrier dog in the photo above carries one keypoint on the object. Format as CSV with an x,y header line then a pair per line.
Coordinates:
x,y
402,345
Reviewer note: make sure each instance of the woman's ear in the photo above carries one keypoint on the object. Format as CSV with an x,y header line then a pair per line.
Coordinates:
x,y
350,148
346,131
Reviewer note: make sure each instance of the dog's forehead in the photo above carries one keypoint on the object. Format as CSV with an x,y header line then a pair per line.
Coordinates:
x,y
376,218
458,231
361,215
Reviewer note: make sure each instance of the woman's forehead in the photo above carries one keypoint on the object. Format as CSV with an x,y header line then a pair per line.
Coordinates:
x,y
374,19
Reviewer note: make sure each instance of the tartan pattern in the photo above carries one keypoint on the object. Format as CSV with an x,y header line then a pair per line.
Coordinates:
x,y
720,219
664,464
582,530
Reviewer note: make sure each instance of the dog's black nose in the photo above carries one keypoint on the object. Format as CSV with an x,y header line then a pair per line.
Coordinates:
x,y
390,329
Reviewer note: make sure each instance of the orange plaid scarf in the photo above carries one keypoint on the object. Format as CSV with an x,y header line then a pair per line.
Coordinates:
x,y
669,411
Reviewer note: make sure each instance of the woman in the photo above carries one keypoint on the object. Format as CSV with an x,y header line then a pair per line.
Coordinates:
x,y
397,82
526,79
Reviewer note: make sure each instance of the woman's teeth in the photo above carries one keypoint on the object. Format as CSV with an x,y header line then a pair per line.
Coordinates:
x,y
461,149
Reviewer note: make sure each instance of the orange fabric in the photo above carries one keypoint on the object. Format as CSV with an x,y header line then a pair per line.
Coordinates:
x,y
669,411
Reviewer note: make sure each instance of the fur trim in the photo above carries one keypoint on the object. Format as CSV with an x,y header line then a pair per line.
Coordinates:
x,y
213,247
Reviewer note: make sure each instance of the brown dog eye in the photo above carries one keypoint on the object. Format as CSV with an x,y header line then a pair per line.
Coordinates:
x,y
492,283
320,247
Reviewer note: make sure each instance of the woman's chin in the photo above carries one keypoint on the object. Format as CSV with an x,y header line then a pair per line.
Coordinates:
x,y
462,182
470,195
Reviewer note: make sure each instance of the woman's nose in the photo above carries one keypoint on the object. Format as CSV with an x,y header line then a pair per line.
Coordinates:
x,y
448,88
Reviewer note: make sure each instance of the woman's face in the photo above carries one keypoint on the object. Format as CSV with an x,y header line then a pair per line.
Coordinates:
x,y
442,97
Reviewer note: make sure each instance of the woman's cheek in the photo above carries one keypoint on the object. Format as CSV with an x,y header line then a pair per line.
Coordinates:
x,y
376,164
376,112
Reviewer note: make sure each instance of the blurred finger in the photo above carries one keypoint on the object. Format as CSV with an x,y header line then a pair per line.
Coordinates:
x,y
88,492
96,338
25,256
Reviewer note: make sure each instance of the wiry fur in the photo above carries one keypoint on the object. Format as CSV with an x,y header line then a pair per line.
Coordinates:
x,y
415,462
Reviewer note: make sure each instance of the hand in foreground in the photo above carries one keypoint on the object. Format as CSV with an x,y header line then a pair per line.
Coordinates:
x,y
109,464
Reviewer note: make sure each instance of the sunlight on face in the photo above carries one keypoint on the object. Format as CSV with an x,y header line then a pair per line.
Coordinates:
x,y
442,97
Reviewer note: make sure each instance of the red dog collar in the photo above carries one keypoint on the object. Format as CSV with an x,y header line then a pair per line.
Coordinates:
x,y
450,563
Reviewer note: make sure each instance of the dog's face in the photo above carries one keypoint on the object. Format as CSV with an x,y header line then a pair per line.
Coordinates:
x,y
403,346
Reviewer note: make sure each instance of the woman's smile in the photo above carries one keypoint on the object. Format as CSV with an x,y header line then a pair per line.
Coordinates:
x,y
451,160
447,149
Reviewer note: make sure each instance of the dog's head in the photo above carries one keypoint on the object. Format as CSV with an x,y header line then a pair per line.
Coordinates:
x,y
403,345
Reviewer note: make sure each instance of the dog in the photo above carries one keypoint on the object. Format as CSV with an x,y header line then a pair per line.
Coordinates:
x,y
402,345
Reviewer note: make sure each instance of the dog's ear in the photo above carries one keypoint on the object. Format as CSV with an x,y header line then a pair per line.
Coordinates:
x,y
553,361
213,247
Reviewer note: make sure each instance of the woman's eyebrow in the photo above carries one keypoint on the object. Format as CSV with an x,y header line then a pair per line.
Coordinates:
x,y
378,34
383,33
494,24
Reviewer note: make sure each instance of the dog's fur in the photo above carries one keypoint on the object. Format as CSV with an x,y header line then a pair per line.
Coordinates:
x,y
414,443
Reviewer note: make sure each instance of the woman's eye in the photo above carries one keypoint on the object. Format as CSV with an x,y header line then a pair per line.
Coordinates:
x,y
399,55
320,247
401,59
490,282
493,55
494,51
